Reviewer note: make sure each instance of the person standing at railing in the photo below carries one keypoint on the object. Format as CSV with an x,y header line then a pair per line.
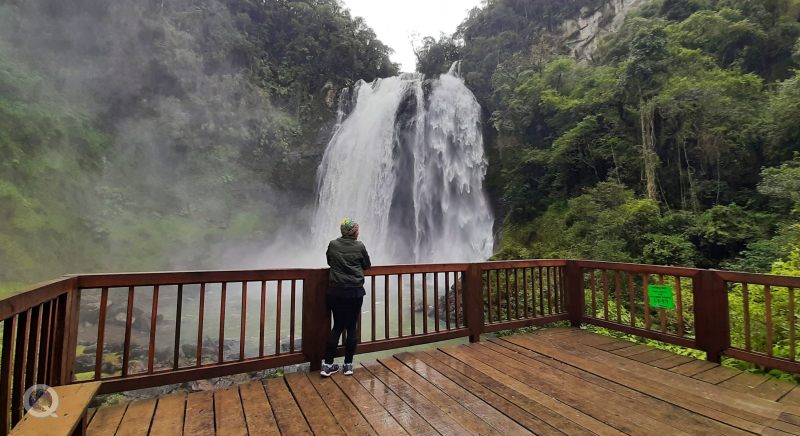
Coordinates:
x,y
347,258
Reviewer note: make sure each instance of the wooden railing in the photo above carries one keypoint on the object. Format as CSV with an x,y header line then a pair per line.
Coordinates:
x,y
766,334
420,303
191,325
616,297
523,293
39,329
138,330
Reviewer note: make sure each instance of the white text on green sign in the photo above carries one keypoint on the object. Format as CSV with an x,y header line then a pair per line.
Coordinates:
x,y
661,297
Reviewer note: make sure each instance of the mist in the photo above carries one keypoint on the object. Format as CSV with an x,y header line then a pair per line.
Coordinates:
x,y
204,135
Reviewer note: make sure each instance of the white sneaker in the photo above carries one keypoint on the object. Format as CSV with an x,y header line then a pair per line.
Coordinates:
x,y
329,370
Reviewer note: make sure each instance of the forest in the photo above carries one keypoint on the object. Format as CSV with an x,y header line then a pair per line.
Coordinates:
x,y
676,143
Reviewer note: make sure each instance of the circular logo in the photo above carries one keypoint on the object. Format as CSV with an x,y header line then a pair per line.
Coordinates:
x,y
40,401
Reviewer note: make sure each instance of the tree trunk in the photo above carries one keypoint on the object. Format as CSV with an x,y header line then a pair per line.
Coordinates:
x,y
692,190
649,156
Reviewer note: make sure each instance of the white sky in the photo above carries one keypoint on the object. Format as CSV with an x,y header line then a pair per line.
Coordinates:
x,y
397,22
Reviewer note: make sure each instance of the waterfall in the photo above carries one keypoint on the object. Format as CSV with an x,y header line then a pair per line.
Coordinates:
x,y
406,161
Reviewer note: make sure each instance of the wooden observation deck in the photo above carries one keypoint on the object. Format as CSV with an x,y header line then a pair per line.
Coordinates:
x,y
119,332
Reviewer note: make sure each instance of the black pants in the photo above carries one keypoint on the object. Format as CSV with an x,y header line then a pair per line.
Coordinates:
x,y
346,312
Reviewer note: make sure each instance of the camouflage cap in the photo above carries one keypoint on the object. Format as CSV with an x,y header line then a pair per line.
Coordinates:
x,y
348,227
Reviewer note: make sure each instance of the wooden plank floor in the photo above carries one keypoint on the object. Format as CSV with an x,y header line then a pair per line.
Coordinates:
x,y
556,381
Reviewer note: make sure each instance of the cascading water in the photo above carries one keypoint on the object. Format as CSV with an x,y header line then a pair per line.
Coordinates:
x,y
407,163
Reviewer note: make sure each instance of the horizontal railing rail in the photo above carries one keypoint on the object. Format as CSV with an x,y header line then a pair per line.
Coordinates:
x,y
137,330
189,277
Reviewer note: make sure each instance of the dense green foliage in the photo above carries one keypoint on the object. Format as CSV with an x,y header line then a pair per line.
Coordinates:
x,y
675,143
135,134
651,152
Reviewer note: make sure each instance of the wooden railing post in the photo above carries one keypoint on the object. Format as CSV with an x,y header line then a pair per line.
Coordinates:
x,y
71,340
712,328
66,334
316,319
473,301
574,289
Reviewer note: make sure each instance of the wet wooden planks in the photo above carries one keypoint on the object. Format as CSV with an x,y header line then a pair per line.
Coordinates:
x,y
708,372
558,381
737,400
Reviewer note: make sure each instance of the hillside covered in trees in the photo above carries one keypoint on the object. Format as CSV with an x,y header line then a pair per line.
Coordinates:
x,y
137,134
676,142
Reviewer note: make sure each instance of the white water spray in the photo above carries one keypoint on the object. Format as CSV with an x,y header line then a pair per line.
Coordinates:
x,y
408,164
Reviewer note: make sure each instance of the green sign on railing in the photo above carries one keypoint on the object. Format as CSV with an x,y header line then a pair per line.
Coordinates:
x,y
661,297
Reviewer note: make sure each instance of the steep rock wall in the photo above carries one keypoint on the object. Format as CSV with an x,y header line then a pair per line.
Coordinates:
x,y
582,34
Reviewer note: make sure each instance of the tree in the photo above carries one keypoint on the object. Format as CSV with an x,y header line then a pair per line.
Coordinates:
x,y
645,66
725,33
435,57
782,128
722,232
669,250
783,182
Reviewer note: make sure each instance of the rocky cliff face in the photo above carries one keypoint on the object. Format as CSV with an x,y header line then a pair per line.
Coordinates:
x,y
582,34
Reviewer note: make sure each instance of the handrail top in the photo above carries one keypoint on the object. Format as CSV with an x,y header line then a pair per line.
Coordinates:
x,y
759,278
228,276
44,291
302,269
47,290
640,267
35,295
521,263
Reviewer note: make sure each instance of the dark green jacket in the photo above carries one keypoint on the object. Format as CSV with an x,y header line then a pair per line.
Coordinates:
x,y
348,259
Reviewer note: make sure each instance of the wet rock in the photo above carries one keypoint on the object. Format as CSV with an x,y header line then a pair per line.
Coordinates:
x,y
84,363
193,386
163,355
228,356
201,385
286,344
140,321
224,383
230,344
114,347
189,350
138,352
142,394
137,366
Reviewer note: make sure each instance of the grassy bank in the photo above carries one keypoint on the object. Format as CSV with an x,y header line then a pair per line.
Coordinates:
x,y
8,289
